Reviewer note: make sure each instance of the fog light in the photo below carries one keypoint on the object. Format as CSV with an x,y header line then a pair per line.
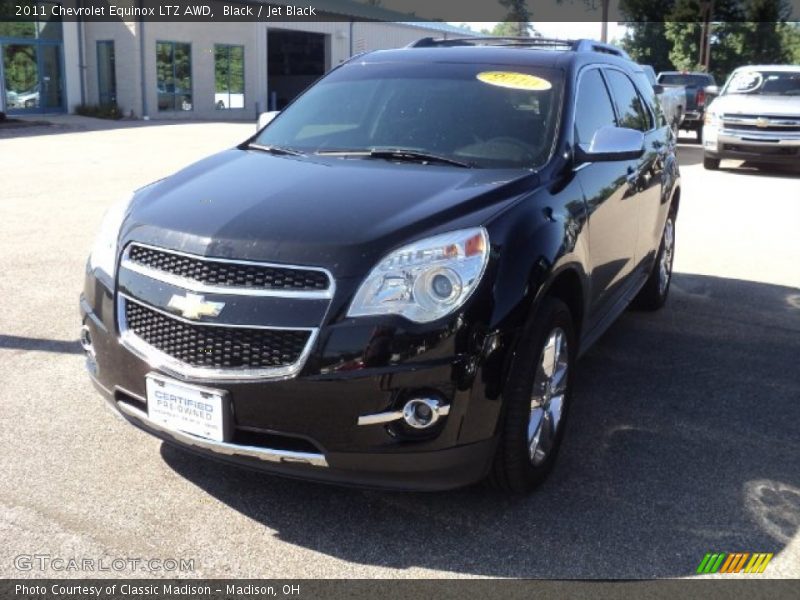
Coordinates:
x,y
421,413
86,341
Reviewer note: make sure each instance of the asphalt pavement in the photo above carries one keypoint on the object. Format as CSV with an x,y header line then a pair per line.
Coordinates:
x,y
684,437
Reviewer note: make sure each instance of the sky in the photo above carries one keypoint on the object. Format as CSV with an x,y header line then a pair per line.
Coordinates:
x,y
575,30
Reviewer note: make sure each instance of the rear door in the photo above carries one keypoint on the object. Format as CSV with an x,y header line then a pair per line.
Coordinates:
x,y
613,219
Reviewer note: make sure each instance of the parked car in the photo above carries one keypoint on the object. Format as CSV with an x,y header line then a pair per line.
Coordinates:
x,y
694,85
756,118
11,99
26,99
228,100
672,99
391,283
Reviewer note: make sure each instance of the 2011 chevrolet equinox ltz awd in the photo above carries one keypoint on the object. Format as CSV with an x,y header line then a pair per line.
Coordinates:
x,y
390,284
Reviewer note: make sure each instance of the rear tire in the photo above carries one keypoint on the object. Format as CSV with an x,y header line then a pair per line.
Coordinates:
x,y
712,164
654,293
537,399
699,132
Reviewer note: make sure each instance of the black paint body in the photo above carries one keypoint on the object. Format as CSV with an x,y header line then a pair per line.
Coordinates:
x,y
590,230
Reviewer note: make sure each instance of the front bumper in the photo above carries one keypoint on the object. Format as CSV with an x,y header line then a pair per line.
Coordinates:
x,y
307,426
763,147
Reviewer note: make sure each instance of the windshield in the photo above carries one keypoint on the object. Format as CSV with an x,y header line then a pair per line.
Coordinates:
x,y
480,115
686,79
778,83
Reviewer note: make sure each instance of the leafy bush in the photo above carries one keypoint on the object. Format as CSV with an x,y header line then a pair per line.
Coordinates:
x,y
100,111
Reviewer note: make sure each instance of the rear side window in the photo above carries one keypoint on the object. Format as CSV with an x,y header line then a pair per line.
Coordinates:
x,y
650,97
686,79
593,108
631,110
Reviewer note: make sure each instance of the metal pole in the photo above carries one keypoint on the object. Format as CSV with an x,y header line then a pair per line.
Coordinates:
x,y
709,28
145,113
2,83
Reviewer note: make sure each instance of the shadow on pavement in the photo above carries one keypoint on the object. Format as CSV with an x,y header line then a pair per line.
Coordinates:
x,y
692,154
15,342
689,154
59,124
682,440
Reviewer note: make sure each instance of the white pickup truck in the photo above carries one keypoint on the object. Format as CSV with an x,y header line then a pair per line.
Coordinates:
x,y
672,99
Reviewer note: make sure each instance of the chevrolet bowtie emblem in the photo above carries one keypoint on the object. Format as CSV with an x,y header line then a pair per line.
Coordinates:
x,y
762,122
194,306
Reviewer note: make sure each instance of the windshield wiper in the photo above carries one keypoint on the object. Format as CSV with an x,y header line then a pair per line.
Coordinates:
x,y
398,154
278,150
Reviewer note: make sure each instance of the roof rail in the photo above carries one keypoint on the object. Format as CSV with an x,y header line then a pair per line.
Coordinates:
x,y
430,42
595,46
582,45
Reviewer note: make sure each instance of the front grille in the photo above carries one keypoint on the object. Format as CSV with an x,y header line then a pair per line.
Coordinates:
x,y
231,274
770,128
215,347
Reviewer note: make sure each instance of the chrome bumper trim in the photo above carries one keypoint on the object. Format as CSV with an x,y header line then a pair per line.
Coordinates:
x,y
378,418
395,415
763,138
265,454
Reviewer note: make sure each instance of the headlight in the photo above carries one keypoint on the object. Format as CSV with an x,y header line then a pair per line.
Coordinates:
x,y
711,118
426,280
104,250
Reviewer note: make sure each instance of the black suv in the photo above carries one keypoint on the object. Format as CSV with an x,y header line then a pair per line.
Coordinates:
x,y
390,284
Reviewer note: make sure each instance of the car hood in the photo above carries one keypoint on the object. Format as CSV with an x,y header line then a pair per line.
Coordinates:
x,y
757,105
340,214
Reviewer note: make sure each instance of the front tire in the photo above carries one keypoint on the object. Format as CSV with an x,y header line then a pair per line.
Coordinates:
x,y
537,398
711,164
654,293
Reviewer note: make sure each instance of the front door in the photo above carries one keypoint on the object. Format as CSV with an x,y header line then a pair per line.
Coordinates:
x,y
610,199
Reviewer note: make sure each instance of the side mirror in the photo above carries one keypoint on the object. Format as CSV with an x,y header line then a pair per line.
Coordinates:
x,y
266,117
711,90
658,88
612,143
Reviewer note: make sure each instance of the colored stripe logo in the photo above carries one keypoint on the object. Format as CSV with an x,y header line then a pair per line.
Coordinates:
x,y
734,562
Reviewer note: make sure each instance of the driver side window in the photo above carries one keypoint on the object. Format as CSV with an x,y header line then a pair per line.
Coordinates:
x,y
593,108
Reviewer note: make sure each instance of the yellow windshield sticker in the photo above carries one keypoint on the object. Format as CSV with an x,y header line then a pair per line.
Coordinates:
x,y
514,81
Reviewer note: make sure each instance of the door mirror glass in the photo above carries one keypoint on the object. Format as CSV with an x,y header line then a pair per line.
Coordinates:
x,y
612,143
266,117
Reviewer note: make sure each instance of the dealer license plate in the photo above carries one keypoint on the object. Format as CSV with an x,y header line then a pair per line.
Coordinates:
x,y
188,408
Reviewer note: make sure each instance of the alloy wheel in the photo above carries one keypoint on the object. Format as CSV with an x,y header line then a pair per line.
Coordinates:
x,y
547,397
665,264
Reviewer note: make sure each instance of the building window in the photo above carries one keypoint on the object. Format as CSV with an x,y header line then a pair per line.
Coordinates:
x,y
106,73
228,76
174,75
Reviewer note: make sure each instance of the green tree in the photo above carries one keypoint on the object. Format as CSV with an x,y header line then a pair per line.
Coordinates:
x,y
517,22
645,38
741,33
792,41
